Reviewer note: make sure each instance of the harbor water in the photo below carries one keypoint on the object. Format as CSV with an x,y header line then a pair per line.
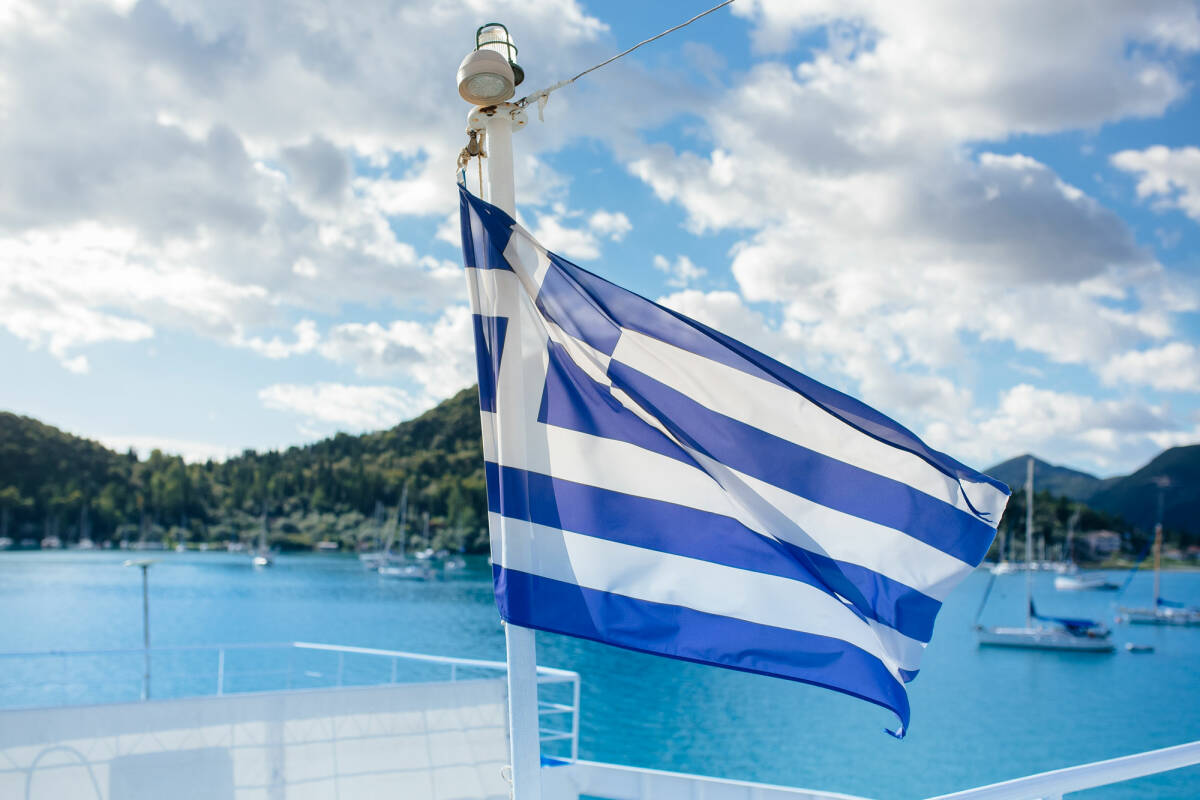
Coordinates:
x,y
979,714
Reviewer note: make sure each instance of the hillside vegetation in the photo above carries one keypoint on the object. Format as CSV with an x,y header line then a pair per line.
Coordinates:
x,y
341,488
53,482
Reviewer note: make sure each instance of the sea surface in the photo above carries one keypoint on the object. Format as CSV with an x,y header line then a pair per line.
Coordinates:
x,y
979,715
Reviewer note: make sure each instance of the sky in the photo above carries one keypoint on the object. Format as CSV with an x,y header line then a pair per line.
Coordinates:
x,y
230,225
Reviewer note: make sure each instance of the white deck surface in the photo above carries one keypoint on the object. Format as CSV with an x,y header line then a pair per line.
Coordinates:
x,y
440,741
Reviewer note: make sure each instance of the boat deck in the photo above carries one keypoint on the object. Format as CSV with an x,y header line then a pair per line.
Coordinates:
x,y
426,740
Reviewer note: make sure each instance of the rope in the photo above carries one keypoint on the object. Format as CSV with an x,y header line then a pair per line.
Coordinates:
x,y
544,95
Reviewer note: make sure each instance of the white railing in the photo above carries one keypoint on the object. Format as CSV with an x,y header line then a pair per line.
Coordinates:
x,y
617,782
70,677
1053,785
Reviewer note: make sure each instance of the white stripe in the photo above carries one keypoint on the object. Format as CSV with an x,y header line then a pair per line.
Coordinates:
x,y
787,414
675,580
494,292
622,467
528,259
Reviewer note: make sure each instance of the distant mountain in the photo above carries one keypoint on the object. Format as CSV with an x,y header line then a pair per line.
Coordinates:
x,y
1135,497
1132,497
1059,481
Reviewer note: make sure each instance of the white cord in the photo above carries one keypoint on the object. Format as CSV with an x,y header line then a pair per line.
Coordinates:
x,y
544,95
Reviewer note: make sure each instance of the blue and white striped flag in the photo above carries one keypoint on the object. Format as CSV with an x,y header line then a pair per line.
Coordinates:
x,y
657,485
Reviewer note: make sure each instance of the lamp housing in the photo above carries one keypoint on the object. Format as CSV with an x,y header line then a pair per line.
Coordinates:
x,y
490,74
485,78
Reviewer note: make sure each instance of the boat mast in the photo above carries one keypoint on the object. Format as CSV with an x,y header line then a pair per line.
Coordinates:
x,y
403,521
1029,543
1158,530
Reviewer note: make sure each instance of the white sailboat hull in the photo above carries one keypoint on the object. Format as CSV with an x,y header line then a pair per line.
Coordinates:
x,y
415,572
1043,639
1161,616
1083,583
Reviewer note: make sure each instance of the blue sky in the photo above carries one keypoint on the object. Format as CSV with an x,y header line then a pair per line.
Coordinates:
x,y
232,225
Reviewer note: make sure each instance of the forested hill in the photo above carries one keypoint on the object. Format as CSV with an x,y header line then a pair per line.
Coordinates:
x,y
53,482
339,488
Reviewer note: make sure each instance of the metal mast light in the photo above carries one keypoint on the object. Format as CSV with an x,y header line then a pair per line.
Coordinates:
x,y
490,74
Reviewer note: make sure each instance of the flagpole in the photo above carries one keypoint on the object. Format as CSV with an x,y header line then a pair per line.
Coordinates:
x,y
524,745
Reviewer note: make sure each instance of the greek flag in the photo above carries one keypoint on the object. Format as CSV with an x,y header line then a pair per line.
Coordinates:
x,y
657,485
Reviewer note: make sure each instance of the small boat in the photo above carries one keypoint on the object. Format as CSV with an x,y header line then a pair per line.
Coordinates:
x,y
1091,639
378,558
262,556
410,571
326,546
1081,583
1163,612
5,543
1063,633
1139,648
1069,578
51,542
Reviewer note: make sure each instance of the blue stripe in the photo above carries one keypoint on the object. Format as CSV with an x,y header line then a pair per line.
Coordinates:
x,y
815,476
629,310
489,347
574,401
574,310
670,528
497,229
683,633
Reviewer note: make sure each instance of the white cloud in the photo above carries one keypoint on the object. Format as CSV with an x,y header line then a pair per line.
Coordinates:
x,y
306,341
352,408
1104,435
1173,367
978,72
438,356
219,142
612,225
874,218
575,243
1170,176
681,273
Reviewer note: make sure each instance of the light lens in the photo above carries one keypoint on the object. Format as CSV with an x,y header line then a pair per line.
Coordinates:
x,y
487,87
485,78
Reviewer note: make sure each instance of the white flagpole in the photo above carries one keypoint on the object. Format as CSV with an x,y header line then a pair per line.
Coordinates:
x,y
524,743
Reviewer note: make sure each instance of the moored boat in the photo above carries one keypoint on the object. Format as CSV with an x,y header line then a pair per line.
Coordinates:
x,y
1062,633
1083,582
1163,612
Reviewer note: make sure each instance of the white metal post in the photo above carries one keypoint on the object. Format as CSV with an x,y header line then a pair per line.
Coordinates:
x,y
146,631
520,646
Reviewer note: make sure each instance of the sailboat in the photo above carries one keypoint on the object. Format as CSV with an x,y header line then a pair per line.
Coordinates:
x,y
398,565
1064,633
1069,578
1164,612
373,558
262,555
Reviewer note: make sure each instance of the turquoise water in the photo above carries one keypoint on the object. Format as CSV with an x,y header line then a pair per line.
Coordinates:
x,y
979,715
